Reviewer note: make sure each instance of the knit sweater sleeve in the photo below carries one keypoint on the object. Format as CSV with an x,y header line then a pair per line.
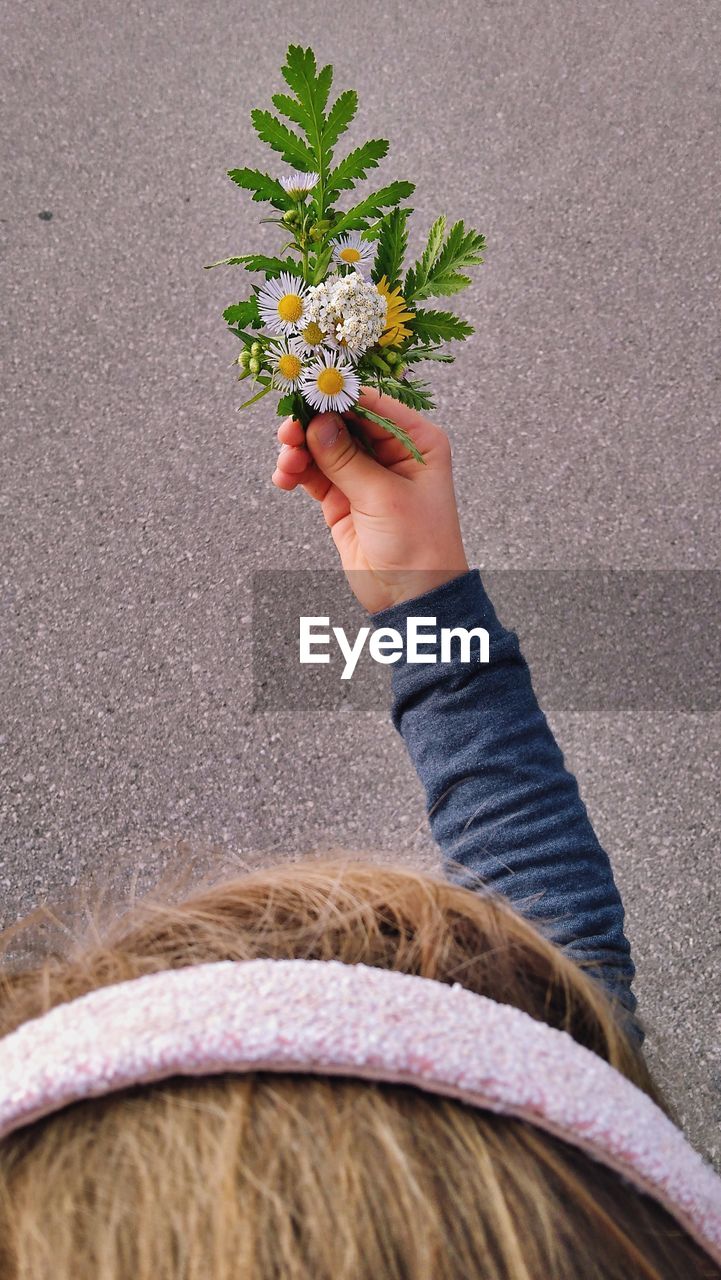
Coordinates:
x,y
502,805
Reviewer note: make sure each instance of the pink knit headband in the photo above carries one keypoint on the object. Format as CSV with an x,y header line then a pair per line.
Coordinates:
x,y
327,1018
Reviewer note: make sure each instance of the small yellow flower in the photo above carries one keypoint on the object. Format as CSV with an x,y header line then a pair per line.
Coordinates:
x,y
395,330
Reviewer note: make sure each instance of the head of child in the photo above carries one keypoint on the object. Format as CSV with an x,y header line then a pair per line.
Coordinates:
x,y
266,1175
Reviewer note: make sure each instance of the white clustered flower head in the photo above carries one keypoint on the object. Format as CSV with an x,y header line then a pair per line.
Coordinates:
x,y
330,382
286,358
349,309
354,251
299,184
281,303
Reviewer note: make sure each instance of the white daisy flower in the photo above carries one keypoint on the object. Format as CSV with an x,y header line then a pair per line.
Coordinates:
x,y
354,251
282,302
311,337
330,382
286,358
298,185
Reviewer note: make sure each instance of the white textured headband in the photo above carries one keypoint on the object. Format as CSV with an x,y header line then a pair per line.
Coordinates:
x,y
327,1018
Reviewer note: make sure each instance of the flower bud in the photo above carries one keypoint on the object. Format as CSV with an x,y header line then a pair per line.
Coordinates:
x,y
254,365
399,370
290,217
244,357
256,349
380,363
391,357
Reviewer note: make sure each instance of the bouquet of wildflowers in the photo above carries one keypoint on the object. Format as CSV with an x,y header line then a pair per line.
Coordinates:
x,y
335,311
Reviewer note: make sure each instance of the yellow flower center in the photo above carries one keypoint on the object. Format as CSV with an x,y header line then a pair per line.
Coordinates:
x,y
289,367
290,307
349,255
330,382
313,334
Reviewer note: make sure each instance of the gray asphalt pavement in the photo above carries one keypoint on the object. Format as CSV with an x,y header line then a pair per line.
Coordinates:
x,y
136,503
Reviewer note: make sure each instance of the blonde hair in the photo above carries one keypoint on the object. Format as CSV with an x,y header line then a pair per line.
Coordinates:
x,y
266,1176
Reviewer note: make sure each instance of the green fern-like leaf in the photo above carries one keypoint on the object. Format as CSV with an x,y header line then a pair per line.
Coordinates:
x,y
410,391
355,166
392,244
339,118
291,109
392,428
310,86
258,262
311,89
418,274
373,205
441,270
282,139
243,313
440,326
271,266
413,355
262,185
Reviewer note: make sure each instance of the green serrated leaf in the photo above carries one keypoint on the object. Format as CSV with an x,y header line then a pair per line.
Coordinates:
x,y
462,249
393,429
291,109
224,262
310,86
410,391
442,286
413,355
355,166
258,262
418,274
271,266
282,139
440,326
432,249
392,244
444,274
243,313
286,405
373,231
339,118
258,396
373,205
262,185
311,89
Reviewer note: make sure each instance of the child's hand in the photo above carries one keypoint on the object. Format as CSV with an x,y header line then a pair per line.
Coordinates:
x,y
394,521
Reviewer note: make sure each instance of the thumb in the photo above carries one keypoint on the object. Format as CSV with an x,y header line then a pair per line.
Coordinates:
x,y
341,458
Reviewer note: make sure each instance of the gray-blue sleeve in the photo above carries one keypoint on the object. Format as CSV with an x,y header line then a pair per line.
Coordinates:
x,y
502,806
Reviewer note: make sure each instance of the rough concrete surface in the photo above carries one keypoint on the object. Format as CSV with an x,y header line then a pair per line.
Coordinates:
x,y
136,503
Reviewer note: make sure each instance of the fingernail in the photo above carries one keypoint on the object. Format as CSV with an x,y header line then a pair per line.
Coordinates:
x,y
329,428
